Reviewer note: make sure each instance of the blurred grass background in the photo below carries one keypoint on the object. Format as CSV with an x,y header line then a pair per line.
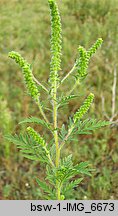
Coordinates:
x,y
25,27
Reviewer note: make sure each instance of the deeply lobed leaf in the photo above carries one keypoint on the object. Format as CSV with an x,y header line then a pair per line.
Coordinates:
x,y
36,120
29,147
89,125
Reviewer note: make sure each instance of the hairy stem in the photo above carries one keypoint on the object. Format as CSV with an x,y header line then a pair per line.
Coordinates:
x,y
56,138
55,66
49,157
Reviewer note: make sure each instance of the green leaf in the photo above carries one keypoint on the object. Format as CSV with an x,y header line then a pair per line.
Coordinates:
x,y
67,161
26,151
52,151
50,175
89,125
65,171
18,140
63,132
72,185
49,193
35,120
31,157
64,100
44,186
29,148
83,168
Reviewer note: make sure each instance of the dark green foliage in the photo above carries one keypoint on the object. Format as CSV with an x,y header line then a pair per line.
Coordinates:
x,y
89,125
65,100
63,132
63,175
72,185
48,193
37,121
29,147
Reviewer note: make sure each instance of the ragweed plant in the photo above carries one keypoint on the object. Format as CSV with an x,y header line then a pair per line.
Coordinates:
x,y
60,172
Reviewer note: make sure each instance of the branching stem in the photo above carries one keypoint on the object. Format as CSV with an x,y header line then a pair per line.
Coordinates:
x,y
49,157
68,74
75,85
40,84
42,112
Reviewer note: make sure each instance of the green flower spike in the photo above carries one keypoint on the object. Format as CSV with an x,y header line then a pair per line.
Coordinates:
x,y
95,47
31,86
84,57
55,43
36,136
84,108
82,63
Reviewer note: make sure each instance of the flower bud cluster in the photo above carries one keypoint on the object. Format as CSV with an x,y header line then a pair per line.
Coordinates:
x,y
56,41
84,57
82,62
31,86
36,136
95,47
84,108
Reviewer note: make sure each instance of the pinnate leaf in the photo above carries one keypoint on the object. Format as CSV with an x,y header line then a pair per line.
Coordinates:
x,y
35,120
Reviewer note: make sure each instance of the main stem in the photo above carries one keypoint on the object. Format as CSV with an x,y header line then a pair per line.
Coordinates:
x,y
56,138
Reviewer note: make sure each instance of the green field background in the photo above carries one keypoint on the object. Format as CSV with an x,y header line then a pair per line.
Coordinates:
x,y
25,27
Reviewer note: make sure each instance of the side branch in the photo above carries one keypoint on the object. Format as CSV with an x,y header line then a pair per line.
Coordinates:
x,y
67,136
78,115
42,112
113,101
40,84
68,74
114,93
75,85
